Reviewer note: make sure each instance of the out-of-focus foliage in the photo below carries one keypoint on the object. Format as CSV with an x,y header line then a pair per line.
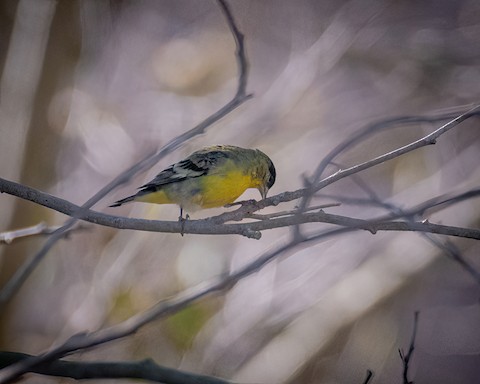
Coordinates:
x,y
89,87
185,325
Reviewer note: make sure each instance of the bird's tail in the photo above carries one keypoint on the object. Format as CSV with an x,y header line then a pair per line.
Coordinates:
x,y
123,201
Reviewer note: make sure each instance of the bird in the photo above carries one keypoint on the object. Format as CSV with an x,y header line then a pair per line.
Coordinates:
x,y
214,176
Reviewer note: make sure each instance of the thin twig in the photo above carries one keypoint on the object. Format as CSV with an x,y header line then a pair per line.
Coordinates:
x,y
407,357
41,228
289,213
369,377
240,54
240,97
383,125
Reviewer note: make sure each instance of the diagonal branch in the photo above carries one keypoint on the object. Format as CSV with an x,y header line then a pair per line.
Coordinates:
x,y
240,54
316,184
145,369
429,139
383,125
240,97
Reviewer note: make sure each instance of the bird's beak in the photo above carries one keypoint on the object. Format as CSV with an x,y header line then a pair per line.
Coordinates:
x,y
263,191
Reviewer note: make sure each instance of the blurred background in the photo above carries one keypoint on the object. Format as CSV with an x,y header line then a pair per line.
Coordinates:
x,y
90,87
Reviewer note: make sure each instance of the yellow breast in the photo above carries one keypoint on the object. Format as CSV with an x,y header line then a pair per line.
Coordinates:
x,y
219,190
208,191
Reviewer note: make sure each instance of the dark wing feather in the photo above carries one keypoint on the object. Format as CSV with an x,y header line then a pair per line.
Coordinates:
x,y
198,164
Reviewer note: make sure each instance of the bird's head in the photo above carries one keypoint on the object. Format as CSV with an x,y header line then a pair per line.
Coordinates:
x,y
266,174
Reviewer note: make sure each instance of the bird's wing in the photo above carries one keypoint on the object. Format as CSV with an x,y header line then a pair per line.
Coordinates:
x,y
198,164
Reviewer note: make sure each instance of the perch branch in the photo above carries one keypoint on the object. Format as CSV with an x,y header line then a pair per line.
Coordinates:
x,y
215,226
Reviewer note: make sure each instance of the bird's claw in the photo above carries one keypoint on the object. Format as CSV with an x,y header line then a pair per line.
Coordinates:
x,y
183,220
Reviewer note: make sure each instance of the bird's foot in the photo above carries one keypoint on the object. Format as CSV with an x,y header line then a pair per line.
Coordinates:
x,y
182,221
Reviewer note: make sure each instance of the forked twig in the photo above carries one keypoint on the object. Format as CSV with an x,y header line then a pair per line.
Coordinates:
x,y
407,357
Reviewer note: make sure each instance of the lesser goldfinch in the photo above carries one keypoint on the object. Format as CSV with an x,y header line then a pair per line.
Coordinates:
x,y
211,177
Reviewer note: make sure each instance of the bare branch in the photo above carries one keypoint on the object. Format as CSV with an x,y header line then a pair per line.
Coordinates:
x,y
240,53
383,125
422,142
289,213
145,369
